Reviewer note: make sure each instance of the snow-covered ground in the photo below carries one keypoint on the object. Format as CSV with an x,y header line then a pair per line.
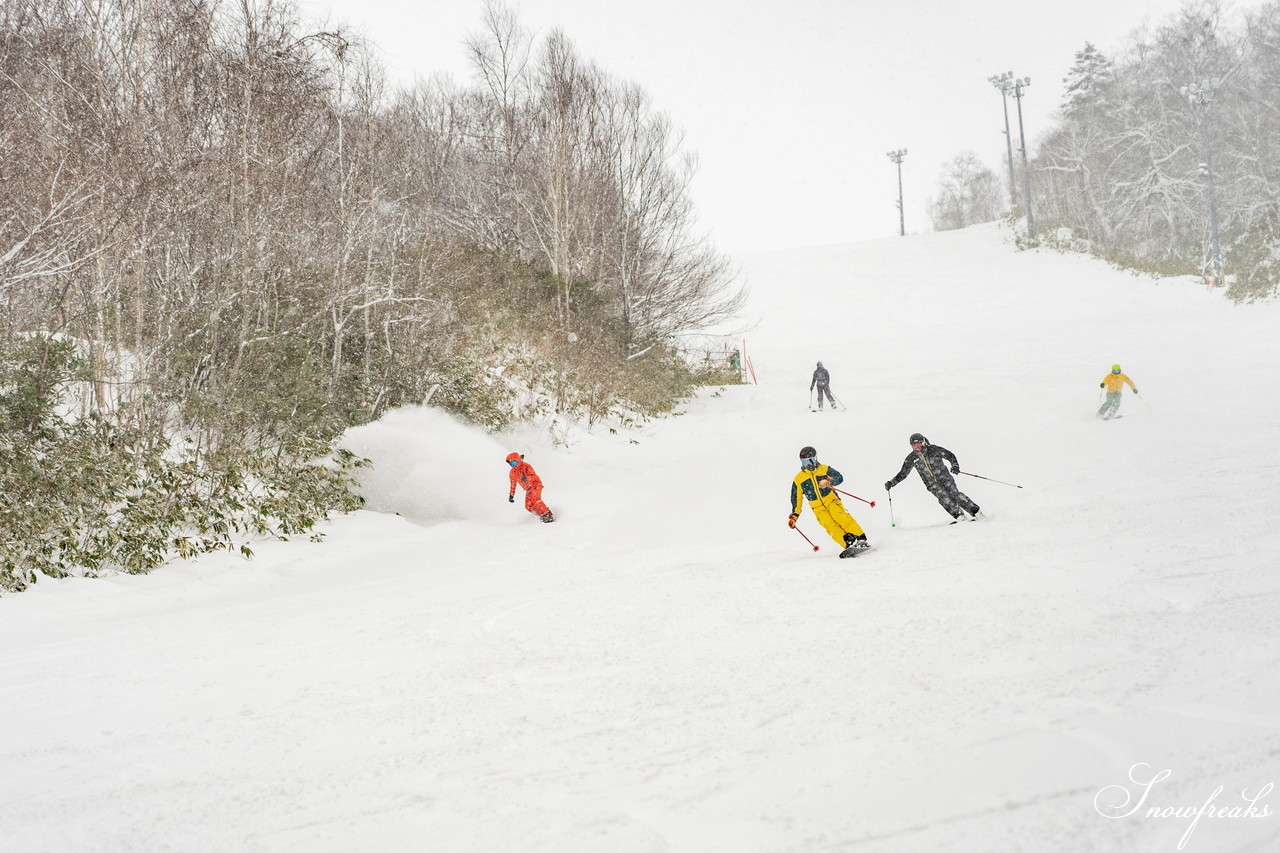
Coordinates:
x,y
668,667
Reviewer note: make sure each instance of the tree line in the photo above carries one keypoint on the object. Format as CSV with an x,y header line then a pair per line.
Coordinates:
x,y
1131,167
236,239
1131,164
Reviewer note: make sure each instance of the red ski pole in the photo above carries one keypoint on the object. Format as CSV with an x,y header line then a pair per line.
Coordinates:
x,y
806,538
855,497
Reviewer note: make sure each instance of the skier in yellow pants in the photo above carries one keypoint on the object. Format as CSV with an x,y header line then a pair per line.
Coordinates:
x,y
816,483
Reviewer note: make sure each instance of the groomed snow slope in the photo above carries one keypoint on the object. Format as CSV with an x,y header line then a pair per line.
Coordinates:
x,y
668,667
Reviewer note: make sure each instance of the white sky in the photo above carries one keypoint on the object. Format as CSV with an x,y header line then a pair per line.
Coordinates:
x,y
792,107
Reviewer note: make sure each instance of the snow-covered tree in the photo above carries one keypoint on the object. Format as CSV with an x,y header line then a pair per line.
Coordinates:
x,y
968,193
1088,82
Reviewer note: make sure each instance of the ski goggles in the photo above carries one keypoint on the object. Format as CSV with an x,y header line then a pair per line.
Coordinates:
x,y
809,464
917,444
513,463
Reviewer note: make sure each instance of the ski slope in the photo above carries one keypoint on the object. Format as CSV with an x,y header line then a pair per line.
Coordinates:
x,y
668,667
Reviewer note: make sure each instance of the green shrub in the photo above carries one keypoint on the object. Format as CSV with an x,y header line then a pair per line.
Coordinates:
x,y
79,497
1254,258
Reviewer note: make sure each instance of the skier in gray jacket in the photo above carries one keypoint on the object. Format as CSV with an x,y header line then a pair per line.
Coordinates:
x,y
822,381
931,461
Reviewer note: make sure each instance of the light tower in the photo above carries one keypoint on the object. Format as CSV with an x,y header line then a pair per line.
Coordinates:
x,y
896,156
1004,83
1019,84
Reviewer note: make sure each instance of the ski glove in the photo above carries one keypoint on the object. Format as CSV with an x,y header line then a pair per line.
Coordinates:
x,y
791,521
955,469
1102,385
888,484
511,499
1135,390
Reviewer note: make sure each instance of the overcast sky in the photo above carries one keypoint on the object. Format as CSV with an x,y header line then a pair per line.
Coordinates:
x,y
793,106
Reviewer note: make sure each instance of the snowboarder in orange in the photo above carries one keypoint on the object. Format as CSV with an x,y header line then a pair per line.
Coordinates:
x,y
522,473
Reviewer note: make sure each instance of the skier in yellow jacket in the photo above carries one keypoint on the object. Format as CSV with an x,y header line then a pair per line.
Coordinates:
x,y
1114,383
816,483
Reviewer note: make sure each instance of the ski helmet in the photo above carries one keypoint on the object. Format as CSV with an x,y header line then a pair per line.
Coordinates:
x,y
917,437
819,364
808,453
1115,368
514,458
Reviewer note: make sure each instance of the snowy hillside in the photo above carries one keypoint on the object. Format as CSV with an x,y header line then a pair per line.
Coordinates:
x,y
669,667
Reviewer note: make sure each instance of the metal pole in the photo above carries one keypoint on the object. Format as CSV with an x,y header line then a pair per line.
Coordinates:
x,y
1213,223
1201,96
1213,197
902,216
1008,139
897,157
1018,86
1002,83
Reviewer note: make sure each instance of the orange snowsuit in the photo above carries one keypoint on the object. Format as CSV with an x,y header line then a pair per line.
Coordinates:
x,y
529,480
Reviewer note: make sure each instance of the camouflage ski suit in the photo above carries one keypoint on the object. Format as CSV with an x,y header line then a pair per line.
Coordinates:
x,y
931,462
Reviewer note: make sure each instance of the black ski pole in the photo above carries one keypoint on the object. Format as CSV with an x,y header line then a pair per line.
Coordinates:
x,y
980,477
892,523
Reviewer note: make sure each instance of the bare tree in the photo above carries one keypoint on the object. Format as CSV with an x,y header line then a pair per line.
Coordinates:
x,y
968,193
239,202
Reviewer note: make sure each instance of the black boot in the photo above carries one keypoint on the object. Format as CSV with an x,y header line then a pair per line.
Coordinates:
x,y
854,545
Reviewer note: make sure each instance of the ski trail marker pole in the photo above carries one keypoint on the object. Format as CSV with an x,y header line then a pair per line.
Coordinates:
x,y
1001,482
855,497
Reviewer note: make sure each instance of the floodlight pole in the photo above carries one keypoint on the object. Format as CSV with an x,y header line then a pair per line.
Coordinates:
x,y
1201,95
896,156
1003,82
1018,85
